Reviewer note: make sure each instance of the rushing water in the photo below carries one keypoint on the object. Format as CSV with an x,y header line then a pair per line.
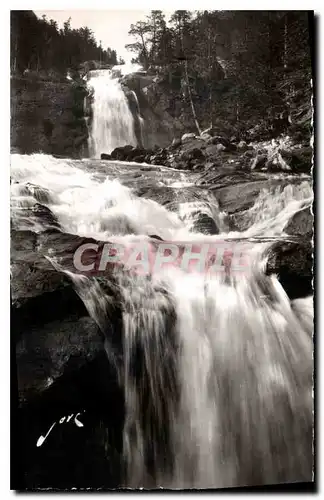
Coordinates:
x,y
216,372
112,121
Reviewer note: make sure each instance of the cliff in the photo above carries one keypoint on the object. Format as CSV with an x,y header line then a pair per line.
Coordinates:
x,y
47,116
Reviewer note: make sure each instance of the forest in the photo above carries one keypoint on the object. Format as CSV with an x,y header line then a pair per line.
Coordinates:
x,y
39,44
242,65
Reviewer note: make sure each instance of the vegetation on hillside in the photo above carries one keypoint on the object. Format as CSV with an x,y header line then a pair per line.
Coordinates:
x,y
246,67
39,45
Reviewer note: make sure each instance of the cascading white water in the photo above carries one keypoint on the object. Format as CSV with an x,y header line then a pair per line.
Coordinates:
x,y
217,372
112,121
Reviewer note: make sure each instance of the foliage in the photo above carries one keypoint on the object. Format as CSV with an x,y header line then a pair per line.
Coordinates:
x,y
39,45
245,67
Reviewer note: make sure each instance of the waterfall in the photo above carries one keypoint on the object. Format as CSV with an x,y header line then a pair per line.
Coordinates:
x,y
216,372
112,121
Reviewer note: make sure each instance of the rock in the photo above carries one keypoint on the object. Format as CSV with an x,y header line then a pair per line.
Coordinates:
x,y
207,138
187,138
220,147
205,224
121,153
105,156
192,154
198,166
139,159
135,152
39,193
218,139
299,159
259,162
302,223
292,263
176,143
242,145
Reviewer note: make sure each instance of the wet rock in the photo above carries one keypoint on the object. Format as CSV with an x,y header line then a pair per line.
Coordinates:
x,y
302,223
205,224
292,263
42,195
105,156
122,152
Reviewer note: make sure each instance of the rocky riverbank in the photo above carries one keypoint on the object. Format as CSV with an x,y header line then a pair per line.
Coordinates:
x,y
213,150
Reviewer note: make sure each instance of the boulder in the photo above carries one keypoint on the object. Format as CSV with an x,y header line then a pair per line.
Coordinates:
x,y
205,224
187,137
218,139
292,262
176,143
259,162
192,154
207,138
299,159
220,147
139,159
105,156
121,153
302,223
242,146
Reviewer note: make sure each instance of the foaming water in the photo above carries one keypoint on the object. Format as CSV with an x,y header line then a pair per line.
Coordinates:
x,y
112,122
216,370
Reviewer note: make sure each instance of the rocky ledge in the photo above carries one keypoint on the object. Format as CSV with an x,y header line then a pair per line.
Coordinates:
x,y
213,148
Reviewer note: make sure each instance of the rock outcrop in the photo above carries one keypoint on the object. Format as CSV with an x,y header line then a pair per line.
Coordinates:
x,y
48,116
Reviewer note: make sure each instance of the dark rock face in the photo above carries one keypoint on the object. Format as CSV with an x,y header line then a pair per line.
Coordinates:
x,y
62,370
293,264
127,153
205,224
54,113
302,223
105,156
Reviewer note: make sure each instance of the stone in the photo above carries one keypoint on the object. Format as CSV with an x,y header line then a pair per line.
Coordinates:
x,y
259,162
187,137
299,159
242,145
293,264
301,223
122,152
176,143
206,138
105,156
192,154
139,159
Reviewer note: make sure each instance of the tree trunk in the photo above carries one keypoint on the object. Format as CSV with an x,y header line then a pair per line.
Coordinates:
x,y
190,98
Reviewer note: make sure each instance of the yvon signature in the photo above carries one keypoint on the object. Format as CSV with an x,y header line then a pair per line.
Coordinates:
x,y
63,420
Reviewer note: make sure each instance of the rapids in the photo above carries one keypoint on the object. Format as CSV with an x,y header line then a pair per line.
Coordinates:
x,y
216,372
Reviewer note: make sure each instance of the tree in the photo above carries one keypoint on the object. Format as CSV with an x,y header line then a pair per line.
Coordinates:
x,y
140,31
181,22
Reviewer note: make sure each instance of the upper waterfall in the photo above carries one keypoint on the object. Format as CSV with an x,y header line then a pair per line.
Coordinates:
x,y
112,121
